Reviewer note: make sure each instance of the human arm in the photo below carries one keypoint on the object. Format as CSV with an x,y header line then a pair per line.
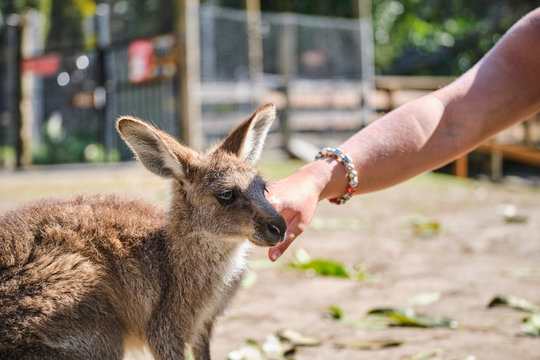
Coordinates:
x,y
500,90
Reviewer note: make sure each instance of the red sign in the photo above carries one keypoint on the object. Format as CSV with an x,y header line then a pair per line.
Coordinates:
x,y
44,65
140,61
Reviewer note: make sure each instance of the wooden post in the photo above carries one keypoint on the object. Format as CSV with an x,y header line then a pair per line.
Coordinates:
x,y
367,52
461,167
14,88
287,69
255,49
189,73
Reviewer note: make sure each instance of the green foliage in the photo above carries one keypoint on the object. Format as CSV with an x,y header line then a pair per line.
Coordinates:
x,y
409,317
412,37
61,146
141,18
420,37
428,37
324,267
425,227
7,155
65,25
335,313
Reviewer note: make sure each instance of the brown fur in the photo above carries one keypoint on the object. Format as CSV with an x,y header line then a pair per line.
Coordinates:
x,y
79,277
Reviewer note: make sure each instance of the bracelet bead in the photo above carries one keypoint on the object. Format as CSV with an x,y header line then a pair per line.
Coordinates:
x,y
352,175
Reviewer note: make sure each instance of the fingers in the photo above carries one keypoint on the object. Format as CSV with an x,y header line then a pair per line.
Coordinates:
x,y
294,229
275,252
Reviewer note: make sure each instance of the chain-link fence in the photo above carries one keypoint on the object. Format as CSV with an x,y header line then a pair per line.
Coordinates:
x,y
311,64
308,65
325,48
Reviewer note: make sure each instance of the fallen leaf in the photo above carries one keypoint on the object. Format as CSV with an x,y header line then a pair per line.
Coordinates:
x,y
323,267
523,272
514,302
425,298
370,344
250,351
511,216
424,355
336,314
531,324
425,227
516,219
297,339
275,349
408,317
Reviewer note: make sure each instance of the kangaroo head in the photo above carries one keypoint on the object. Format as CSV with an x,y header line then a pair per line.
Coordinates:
x,y
218,192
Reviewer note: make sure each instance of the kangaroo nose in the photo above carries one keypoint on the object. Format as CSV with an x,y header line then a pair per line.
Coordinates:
x,y
278,227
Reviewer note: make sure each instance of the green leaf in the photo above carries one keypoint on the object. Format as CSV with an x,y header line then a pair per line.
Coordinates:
x,y
303,261
408,317
324,267
426,228
531,324
425,355
513,302
516,219
511,216
336,314
297,339
370,344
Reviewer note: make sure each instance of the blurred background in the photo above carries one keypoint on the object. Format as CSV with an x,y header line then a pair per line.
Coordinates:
x,y
196,68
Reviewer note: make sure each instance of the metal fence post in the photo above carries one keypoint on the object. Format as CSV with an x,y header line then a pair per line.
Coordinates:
x,y
189,74
367,52
287,68
101,93
255,48
14,89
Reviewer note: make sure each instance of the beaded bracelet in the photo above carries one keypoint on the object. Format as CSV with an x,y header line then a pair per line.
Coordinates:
x,y
346,160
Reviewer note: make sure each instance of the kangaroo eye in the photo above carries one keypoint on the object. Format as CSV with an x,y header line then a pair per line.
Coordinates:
x,y
225,197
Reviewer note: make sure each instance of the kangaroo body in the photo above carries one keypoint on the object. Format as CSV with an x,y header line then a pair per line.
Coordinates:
x,y
91,276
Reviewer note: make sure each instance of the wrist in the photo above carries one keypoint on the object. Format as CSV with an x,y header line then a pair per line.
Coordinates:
x,y
327,177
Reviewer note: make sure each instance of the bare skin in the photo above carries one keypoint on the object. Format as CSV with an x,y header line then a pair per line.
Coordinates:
x,y
500,90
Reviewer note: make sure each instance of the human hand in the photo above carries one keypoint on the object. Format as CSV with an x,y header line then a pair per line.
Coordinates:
x,y
295,198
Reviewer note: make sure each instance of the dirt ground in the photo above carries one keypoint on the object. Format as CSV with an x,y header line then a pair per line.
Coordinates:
x,y
476,256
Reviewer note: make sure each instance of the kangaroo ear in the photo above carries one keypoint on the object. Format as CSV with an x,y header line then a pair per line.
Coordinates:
x,y
247,140
156,150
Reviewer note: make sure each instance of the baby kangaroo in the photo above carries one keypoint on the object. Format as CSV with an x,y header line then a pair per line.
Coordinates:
x,y
90,277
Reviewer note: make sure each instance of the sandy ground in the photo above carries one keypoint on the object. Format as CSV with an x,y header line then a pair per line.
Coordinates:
x,y
473,259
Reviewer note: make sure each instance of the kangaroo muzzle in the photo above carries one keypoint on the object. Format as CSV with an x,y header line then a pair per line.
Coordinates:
x,y
277,227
